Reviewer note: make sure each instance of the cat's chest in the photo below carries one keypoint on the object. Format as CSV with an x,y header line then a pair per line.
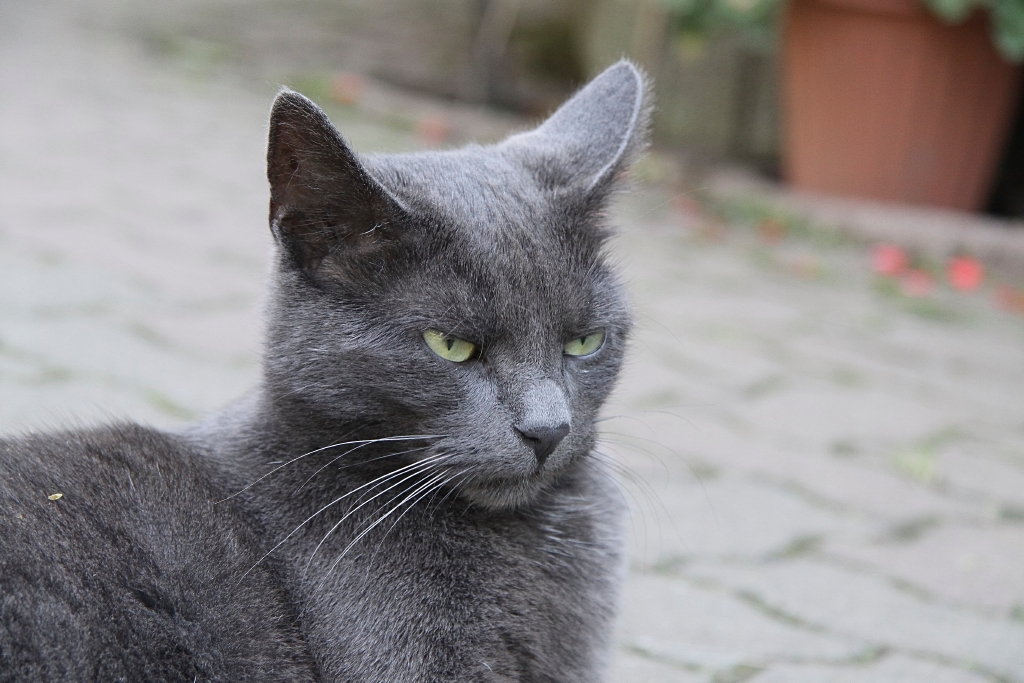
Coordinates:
x,y
447,594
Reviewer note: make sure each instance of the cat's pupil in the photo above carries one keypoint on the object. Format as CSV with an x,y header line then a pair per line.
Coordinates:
x,y
449,342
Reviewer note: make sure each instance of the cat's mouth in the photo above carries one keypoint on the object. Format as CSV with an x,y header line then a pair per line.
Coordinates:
x,y
504,493
510,474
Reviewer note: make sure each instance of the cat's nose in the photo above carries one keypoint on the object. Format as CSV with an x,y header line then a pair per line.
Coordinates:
x,y
543,440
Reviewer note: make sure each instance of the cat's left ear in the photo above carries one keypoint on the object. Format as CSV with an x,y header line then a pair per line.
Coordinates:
x,y
325,209
593,136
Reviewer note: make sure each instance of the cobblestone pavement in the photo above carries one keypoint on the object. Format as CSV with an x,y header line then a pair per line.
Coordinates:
x,y
826,478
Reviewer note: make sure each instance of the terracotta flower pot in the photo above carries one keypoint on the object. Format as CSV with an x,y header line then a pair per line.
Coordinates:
x,y
882,100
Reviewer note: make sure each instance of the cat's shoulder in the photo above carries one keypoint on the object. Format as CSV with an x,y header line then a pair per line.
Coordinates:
x,y
126,470
119,560
81,451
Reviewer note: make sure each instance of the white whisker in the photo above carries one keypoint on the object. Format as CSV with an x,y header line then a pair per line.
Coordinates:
x,y
373,526
433,489
378,480
351,450
418,468
328,447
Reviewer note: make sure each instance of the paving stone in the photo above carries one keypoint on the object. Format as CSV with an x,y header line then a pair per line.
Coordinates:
x,y
864,606
891,669
677,443
981,567
823,415
674,621
907,355
80,403
862,486
229,332
126,356
983,470
730,518
628,667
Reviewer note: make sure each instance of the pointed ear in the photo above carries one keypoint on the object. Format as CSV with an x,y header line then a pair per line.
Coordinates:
x,y
591,137
324,206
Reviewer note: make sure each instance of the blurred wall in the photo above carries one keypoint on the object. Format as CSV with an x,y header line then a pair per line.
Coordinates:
x,y
518,54
715,96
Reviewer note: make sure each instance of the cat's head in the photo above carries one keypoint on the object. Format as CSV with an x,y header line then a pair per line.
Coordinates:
x,y
464,295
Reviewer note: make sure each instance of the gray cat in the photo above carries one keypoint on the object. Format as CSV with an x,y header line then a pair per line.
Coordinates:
x,y
411,493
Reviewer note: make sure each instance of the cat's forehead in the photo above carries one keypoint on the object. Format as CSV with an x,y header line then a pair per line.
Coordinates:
x,y
485,215
477,187
498,253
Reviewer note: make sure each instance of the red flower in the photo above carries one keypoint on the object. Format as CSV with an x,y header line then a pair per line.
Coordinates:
x,y
917,283
771,230
1010,299
686,204
889,259
347,88
433,130
965,273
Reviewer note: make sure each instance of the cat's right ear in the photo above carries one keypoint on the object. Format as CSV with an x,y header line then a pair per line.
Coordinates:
x,y
592,137
325,209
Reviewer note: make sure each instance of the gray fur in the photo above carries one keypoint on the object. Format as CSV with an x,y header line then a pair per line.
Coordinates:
x,y
132,575
419,535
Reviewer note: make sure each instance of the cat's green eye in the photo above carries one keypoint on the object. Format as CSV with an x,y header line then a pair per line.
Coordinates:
x,y
585,345
448,347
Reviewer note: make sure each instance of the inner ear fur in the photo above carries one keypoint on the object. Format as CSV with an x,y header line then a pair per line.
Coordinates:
x,y
325,208
593,136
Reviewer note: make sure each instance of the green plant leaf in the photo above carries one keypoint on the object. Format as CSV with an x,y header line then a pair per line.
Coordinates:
x,y
1008,28
757,18
953,11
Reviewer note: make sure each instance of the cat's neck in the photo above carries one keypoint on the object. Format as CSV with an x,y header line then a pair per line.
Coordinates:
x,y
258,425
283,443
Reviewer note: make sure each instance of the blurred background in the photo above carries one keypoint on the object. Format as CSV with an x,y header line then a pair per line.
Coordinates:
x,y
819,432
891,99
